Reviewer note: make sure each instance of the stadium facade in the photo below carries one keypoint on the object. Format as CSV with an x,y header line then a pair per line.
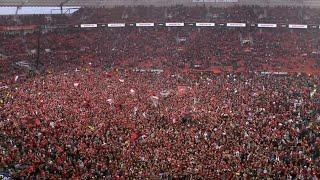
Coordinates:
x,y
113,3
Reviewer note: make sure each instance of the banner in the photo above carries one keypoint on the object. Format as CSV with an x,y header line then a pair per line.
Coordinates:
x,y
174,24
148,70
236,24
227,1
205,24
32,28
18,28
298,26
62,26
89,25
117,25
49,27
144,24
274,73
220,1
267,25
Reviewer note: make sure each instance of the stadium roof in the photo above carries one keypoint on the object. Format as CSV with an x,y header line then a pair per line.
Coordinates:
x,y
111,3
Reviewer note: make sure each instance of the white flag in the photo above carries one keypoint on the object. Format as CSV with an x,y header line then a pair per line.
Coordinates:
x,y
155,100
16,78
132,91
110,101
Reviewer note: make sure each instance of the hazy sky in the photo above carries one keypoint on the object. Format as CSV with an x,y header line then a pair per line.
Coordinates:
x,y
34,10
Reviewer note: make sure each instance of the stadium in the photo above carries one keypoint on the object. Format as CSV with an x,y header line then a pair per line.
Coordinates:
x,y
159,89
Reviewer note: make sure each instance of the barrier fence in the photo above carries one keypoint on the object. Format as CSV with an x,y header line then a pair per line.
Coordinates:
x,y
168,24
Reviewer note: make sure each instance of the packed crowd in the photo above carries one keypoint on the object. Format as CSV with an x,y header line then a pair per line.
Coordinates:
x,y
189,47
93,123
162,103
249,14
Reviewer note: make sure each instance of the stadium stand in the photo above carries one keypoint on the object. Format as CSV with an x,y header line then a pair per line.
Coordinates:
x,y
161,102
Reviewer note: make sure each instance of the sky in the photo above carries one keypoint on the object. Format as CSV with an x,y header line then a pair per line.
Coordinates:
x,y
34,10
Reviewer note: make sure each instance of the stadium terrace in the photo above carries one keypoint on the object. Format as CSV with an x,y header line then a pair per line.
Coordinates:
x,y
161,92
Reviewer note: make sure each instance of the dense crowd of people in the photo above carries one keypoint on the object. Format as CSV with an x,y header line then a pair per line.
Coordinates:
x,y
92,123
188,47
249,14
162,103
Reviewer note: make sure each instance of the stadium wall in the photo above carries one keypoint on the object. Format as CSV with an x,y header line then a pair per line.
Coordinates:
x,y
216,3
113,3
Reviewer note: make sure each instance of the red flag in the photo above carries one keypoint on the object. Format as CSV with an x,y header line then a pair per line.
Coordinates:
x,y
133,137
37,122
109,74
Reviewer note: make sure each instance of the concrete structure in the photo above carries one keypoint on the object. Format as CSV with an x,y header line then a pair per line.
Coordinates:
x,y
112,3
